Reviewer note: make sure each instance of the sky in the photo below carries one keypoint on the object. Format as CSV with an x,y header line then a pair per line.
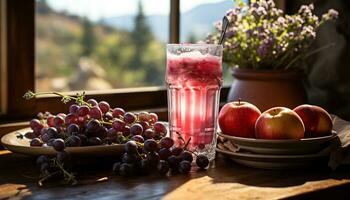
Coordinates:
x,y
97,9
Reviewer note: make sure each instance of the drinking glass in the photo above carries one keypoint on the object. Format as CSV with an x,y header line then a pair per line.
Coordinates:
x,y
194,79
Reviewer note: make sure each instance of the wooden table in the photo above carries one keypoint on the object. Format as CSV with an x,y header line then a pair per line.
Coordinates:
x,y
226,180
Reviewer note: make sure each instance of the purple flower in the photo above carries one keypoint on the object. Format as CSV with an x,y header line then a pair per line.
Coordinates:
x,y
262,50
331,14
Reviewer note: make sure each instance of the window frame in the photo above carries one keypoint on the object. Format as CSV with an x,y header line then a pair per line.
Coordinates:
x,y
19,67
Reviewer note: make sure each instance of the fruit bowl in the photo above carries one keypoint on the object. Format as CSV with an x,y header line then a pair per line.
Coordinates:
x,y
280,147
13,143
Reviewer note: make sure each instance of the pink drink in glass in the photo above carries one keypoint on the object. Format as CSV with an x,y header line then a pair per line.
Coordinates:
x,y
194,79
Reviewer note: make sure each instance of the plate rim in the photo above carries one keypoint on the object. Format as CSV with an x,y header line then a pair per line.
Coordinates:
x,y
279,141
4,142
269,156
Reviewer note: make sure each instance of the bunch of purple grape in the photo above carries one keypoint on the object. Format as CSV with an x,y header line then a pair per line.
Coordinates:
x,y
95,123
144,157
90,123
57,166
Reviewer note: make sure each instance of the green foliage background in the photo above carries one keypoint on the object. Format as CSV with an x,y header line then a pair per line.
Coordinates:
x,y
130,59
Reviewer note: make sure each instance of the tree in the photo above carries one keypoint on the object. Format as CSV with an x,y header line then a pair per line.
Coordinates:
x,y
42,7
88,40
141,36
192,38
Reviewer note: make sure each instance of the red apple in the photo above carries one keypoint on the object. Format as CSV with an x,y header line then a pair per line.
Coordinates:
x,y
279,123
238,119
316,120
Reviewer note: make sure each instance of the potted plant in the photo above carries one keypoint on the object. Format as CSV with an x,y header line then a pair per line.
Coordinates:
x,y
266,49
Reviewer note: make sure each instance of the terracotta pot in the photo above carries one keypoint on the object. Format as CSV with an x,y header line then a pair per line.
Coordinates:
x,y
268,88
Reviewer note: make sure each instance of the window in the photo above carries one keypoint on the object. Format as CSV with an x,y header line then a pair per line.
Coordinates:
x,y
20,62
100,44
195,25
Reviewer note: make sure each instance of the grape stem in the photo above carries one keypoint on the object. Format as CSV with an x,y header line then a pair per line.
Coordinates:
x,y
79,99
40,182
65,98
70,177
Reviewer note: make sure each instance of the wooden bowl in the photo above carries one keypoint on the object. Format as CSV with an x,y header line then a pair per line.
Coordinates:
x,y
17,145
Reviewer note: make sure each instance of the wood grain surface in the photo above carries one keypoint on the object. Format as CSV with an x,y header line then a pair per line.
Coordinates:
x,y
224,180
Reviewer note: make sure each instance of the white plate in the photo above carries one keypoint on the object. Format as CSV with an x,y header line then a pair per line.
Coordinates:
x,y
11,142
277,162
281,147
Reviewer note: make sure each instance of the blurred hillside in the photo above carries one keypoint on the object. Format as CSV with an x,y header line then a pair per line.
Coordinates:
x,y
73,53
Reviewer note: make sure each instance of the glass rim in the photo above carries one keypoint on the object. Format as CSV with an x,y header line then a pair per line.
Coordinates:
x,y
192,45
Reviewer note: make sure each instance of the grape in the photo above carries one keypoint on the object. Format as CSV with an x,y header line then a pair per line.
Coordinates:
x,y
95,112
36,125
52,132
143,116
163,167
58,144
62,157
83,139
126,131
184,167
44,166
43,130
160,128
118,125
72,129
70,119
50,142
107,117
102,133
45,137
137,138
130,147
58,120
83,120
63,115
145,125
116,167
73,141
50,121
145,166
150,145
202,161
36,142
92,102
153,158
125,169
94,141
149,133
93,126
73,109
177,151
42,159
136,129
129,118
153,118
112,134
173,161
129,158
185,155
83,110
164,153
118,112
166,142
104,106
